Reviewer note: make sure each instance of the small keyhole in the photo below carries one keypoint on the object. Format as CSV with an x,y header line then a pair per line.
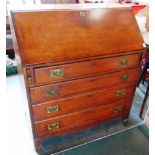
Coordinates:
x,y
82,14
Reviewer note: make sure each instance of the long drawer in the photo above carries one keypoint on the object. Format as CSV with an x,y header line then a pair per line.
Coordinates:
x,y
86,68
54,91
81,102
81,120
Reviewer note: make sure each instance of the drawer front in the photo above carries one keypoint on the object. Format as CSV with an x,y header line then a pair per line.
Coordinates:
x,y
54,91
80,120
82,102
87,68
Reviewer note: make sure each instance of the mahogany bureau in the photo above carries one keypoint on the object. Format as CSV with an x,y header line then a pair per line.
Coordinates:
x,y
80,65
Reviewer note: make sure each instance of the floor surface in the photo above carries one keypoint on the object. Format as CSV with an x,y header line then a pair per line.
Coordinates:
x,y
130,142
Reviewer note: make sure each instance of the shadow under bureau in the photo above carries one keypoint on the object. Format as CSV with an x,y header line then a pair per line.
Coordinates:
x,y
80,64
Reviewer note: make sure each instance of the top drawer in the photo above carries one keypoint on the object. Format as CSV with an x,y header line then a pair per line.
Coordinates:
x,y
86,68
73,33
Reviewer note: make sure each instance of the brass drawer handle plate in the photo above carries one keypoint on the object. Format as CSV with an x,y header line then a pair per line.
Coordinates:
x,y
120,92
52,109
56,73
50,92
82,14
123,63
124,77
118,109
53,126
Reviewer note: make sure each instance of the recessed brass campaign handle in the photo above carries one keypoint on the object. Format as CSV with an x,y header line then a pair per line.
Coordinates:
x,y
118,109
120,92
53,126
124,77
123,63
50,92
52,109
56,73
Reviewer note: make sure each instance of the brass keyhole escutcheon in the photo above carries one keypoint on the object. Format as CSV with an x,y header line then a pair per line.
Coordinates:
x,y
82,14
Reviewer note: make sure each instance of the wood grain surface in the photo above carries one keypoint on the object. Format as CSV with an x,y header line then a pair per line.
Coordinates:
x,y
81,120
43,75
64,89
81,102
73,34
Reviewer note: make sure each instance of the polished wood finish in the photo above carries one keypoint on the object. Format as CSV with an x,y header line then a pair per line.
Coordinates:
x,y
86,68
80,102
39,94
83,119
77,35
80,65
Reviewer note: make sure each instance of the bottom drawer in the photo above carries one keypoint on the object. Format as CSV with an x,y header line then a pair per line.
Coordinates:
x,y
81,120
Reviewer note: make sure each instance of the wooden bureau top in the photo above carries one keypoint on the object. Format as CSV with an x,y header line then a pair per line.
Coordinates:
x,y
66,34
